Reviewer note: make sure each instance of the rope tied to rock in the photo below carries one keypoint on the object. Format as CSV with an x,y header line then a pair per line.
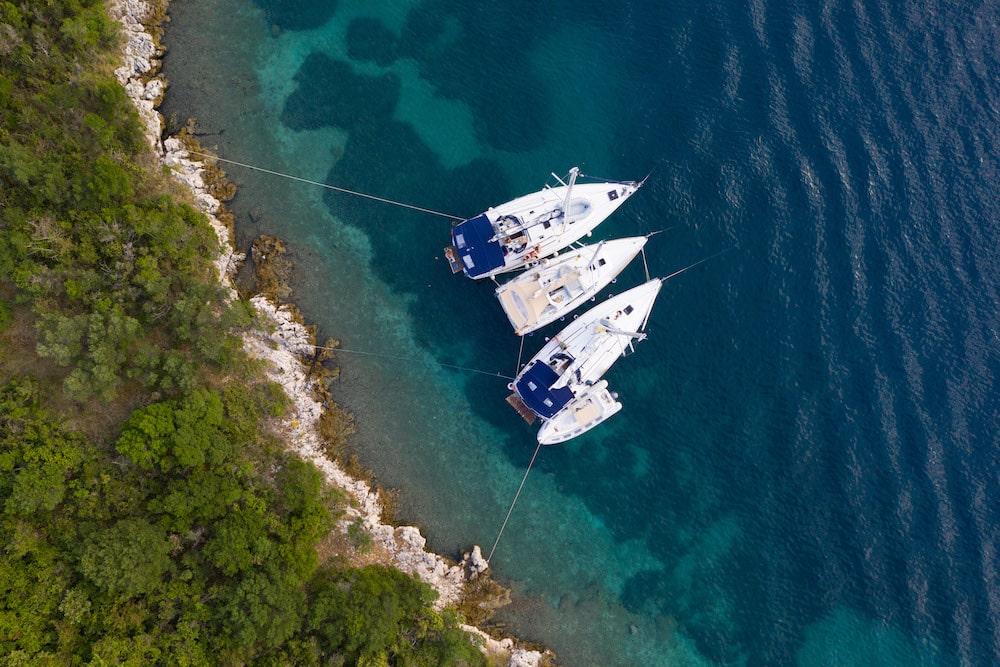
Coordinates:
x,y
516,495
326,185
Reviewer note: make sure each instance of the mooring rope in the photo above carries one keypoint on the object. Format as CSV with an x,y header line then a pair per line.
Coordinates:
x,y
519,352
327,185
498,374
507,518
691,266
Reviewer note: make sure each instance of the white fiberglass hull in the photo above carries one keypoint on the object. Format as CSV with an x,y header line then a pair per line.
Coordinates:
x,y
588,409
596,339
569,367
512,235
546,229
556,287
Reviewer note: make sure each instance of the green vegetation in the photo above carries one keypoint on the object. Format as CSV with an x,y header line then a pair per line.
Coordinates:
x,y
147,515
359,537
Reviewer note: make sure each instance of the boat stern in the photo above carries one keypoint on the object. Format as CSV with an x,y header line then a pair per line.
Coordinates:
x,y
451,254
535,385
476,252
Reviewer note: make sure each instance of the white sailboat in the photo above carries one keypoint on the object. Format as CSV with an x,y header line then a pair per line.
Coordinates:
x,y
537,225
571,363
557,286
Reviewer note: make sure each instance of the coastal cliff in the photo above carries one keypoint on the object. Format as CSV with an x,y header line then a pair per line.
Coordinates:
x,y
286,345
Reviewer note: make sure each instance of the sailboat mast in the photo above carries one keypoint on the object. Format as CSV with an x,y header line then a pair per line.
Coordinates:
x,y
569,190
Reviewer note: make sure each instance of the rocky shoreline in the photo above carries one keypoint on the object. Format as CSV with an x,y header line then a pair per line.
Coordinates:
x,y
288,344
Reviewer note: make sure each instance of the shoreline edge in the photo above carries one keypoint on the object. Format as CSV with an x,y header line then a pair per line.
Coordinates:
x,y
290,343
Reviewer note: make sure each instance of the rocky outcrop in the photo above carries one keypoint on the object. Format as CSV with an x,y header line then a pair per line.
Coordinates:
x,y
140,62
284,348
190,172
287,343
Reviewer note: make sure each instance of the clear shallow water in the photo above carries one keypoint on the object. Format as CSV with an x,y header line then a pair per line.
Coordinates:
x,y
806,468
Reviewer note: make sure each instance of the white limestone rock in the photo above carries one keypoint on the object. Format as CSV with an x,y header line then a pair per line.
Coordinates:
x,y
411,536
475,562
154,89
520,657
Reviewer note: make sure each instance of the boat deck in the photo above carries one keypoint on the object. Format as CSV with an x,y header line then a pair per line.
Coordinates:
x,y
451,254
526,302
527,414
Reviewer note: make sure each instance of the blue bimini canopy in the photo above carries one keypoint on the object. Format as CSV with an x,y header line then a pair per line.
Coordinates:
x,y
535,389
479,254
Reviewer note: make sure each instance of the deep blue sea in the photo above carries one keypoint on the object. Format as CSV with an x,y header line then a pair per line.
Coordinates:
x,y
807,467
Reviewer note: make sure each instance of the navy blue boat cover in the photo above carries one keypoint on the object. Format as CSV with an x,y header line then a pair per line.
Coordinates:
x,y
534,388
472,239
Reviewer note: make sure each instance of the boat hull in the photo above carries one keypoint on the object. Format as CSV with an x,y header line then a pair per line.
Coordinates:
x,y
556,287
597,338
574,361
590,408
524,230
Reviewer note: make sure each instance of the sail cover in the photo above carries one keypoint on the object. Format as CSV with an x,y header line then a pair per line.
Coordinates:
x,y
535,390
479,254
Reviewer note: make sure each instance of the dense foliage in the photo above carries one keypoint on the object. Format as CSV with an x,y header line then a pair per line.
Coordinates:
x,y
182,533
114,268
194,544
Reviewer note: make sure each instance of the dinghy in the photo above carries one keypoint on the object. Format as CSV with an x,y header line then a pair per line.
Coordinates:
x,y
589,408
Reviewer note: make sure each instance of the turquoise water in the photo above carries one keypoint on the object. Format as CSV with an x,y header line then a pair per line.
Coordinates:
x,y
805,471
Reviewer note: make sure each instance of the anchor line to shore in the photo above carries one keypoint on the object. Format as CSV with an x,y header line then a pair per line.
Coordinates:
x,y
497,374
514,502
519,353
326,185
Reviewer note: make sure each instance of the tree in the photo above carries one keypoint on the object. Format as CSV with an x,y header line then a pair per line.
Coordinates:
x,y
259,610
185,432
97,345
128,559
196,500
364,613
37,455
145,437
240,542
33,578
